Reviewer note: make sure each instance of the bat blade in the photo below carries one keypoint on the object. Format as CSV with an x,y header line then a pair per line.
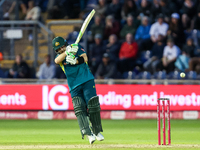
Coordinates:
x,y
84,26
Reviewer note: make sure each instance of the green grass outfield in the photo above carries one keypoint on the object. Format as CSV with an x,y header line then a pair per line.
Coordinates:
x,y
119,134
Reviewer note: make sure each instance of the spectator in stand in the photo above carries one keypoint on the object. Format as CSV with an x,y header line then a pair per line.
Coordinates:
x,y
47,70
194,64
167,8
96,52
7,8
128,28
197,19
197,2
111,27
138,3
72,36
20,69
42,4
178,3
129,8
189,48
157,28
88,5
101,9
156,55
175,30
144,9
197,51
113,47
97,27
188,11
114,9
155,10
142,34
23,9
170,54
127,54
61,9
33,13
107,69
188,51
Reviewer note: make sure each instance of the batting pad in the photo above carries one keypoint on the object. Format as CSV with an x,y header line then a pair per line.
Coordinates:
x,y
94,114
81,114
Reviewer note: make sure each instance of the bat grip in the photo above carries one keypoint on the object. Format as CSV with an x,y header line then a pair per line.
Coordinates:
x,y
71,54
75,44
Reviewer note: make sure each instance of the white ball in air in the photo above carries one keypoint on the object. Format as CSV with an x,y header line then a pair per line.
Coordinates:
x,y
182,75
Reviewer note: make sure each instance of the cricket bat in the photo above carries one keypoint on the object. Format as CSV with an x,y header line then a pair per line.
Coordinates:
x,y
84,26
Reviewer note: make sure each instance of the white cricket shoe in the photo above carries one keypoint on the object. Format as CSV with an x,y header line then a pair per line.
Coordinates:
x,y
91,138
99,137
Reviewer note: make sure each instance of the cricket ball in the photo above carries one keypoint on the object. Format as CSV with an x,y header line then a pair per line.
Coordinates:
x,y
182,75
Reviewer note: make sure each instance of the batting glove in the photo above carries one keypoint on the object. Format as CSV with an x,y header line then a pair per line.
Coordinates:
x,y
71,59
68,48
74,48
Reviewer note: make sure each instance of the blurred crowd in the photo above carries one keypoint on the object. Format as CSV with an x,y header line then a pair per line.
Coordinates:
x,y
143,36
137,36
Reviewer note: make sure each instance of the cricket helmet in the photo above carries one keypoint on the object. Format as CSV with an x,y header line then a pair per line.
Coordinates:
x,y
58,42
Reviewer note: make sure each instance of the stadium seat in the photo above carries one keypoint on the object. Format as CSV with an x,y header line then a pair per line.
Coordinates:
x,y
142,57
129,75
7,63
145,55
192,75
198,76
62,30
174,75
32,72
160,75
144,75
2,74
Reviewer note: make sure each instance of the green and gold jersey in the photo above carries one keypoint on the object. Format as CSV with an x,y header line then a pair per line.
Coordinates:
x,y
76,74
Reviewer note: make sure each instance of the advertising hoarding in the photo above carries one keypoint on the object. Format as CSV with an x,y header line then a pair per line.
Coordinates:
x,y
111,97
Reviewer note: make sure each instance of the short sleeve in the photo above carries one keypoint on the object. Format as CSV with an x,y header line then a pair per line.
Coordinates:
x,y
178,51
165,52
56,56
151,32
165,28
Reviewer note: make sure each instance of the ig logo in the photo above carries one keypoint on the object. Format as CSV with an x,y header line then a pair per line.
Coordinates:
x,y
48,98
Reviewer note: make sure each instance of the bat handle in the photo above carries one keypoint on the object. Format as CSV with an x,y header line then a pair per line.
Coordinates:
x,y
71,54
75,44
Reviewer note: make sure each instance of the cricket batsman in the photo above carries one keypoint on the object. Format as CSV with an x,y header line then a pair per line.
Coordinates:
x,y
73,61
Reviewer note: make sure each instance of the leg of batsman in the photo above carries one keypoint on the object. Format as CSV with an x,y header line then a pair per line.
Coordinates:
x,y
94,114
81,114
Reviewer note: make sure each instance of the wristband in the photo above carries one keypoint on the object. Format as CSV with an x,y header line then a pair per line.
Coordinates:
x,y
80,60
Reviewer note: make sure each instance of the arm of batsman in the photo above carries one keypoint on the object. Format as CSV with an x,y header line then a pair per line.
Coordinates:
x,y
84,57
